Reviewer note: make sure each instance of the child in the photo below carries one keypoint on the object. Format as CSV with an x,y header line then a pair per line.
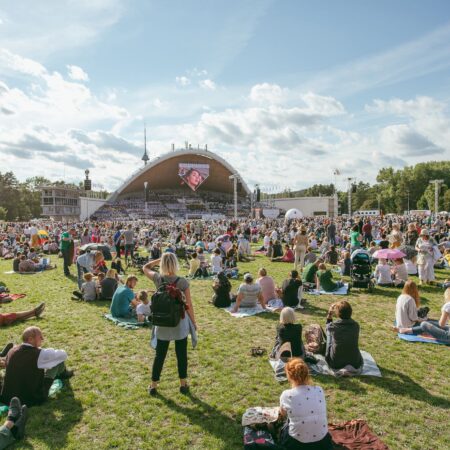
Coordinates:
x,y
346,264
216,261
88,289
399,272
100,278
117,265
383,273
143,308
194,264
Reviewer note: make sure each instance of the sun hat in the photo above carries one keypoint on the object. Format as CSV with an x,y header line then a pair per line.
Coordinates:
x,y
424,232
248,277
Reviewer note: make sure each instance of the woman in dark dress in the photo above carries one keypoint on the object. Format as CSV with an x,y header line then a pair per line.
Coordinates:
x,y
288,331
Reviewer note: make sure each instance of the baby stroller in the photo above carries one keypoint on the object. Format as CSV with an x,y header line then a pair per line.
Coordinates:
x,y
361,270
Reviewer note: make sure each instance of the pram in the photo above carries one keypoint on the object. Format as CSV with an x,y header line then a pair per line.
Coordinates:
x,y
139,261
361,270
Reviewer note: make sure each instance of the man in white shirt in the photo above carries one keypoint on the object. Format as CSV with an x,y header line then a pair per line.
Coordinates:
x,y
31,370
85,264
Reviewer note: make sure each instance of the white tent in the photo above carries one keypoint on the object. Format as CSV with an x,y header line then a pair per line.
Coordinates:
x,y
293,213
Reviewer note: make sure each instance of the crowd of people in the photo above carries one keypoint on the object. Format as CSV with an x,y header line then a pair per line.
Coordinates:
x,y
314,250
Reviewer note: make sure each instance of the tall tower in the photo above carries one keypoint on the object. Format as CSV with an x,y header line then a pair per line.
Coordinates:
x,y
145,157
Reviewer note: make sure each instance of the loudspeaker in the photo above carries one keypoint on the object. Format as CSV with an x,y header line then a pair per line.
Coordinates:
x,y
258,195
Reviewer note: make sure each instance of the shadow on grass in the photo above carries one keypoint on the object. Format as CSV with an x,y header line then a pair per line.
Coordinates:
x,y
313,310
51,422
399,383
209,418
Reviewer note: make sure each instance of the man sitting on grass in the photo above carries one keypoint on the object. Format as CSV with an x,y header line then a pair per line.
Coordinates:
x,y
31,370
309,273
325,279
124,299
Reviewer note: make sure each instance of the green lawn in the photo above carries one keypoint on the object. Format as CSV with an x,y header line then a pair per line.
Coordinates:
x,y
106,404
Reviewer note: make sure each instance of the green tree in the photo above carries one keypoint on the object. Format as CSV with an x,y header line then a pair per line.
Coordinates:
x,y
3,213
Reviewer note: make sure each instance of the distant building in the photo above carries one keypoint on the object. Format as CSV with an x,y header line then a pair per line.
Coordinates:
x,y
61,203
67,204
310,206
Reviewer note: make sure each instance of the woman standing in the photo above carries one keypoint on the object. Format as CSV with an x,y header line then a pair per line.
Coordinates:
x,y
425,257
300,245
168,274
305,407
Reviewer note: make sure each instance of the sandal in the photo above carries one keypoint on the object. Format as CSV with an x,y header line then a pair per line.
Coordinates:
x,y
258,351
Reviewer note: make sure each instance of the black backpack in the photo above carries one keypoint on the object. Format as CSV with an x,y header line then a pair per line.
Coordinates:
x,y
168,305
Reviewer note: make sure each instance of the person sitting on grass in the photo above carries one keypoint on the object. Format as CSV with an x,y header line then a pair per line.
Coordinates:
x,y
277,250
331,256
288,331
309,273
99,263
342,346
28,266
222,290
216,262
117,266
109,285
31,370
143,308
244,251
267,285
16,262
305,408
399,273
13,429
325,281
288,255
248,294
440,331
383,273
124,299
406,310
310,256
292,290
346,264
194,265
98,284
88,289
9,318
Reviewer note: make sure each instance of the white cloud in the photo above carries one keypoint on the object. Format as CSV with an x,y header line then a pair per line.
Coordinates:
x,y
207,84
268,93
183,81
77,73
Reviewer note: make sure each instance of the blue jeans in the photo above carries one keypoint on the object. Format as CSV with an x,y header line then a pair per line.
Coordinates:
x,y
6,437
443,334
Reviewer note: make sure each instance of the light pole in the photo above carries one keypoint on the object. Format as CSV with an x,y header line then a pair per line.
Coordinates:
x,y
408,201
234,177
437,184
145,195
349,179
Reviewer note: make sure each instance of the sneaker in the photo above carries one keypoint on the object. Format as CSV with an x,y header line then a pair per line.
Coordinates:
x,y
6,349
184,389
19,426
15,409
152,391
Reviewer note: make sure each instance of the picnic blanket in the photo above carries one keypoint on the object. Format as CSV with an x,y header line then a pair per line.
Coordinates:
x,y
369,368
341,291
127,323
276,305
6,297
355,435
53,391
246,312
426,338
9,272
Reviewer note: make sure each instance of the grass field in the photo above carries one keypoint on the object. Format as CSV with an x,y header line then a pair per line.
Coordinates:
x,y
106,404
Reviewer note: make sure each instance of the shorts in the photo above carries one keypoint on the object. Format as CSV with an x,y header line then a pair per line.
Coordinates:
x,y
7,319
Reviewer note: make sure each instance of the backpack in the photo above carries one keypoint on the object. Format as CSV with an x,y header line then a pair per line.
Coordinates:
x,y
168,305
315,340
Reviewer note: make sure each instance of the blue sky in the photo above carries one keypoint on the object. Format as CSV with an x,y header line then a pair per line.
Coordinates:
x,y
286,91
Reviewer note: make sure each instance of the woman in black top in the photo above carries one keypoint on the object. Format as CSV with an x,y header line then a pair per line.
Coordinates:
x,y
108,285
222,289
288,331
290,294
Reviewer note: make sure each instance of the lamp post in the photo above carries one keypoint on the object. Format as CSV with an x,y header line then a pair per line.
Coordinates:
x,y
234,177
350,179
146,195
437,184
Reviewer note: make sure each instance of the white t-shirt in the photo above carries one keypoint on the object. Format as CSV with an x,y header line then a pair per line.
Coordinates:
x,y
446,308
216,263
143,309
383,274
405,311
307,412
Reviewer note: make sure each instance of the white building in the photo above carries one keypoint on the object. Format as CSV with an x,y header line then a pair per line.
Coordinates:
x,y
310,206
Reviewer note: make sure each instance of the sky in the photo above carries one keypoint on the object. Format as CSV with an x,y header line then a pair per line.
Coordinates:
x,y
287,91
